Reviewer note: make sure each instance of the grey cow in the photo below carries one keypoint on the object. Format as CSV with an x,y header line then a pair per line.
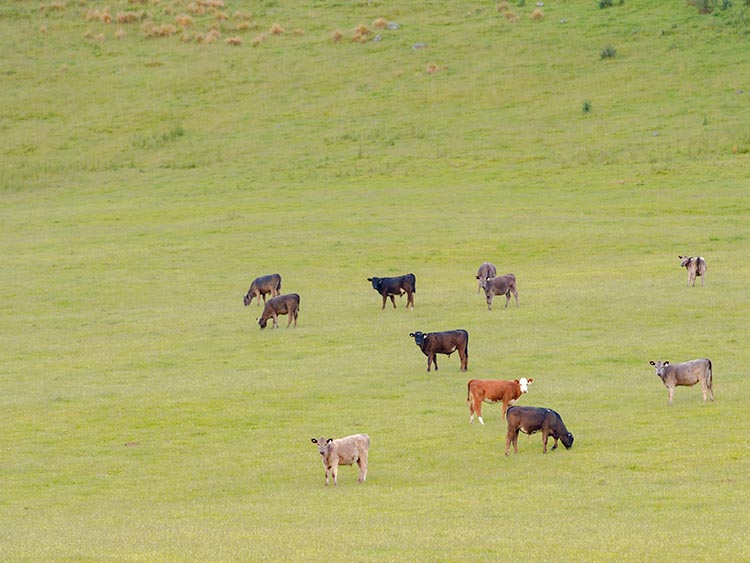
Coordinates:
x,y
500,285
344,451
486,270
695,266
262,286
686,374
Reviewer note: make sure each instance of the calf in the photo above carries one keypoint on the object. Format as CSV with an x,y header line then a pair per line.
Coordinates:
x,y
280,305
447,342
493,391
486,270
530,420
500,285
686,374
344,451
262,286
389,287
695,266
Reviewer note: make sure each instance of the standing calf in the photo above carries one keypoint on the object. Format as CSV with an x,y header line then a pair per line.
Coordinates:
x,y
695,266
389,287
686,374
530,420
344,451
447,342
500,285
280,305
486,270
262,286
493,391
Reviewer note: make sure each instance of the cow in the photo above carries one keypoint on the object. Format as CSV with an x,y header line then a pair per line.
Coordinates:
x,y
262,286
486,270
686,374
447,342
493,391
389,287
344,451
530,420
695,266
500,285
280,305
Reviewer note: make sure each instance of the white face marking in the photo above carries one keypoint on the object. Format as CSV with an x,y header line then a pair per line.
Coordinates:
x,y
524,384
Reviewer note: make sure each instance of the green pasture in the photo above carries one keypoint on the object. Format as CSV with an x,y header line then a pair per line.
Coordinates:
x,y
146,180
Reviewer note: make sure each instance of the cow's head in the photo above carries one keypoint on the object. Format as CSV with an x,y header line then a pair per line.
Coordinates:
x,y
418,337
485,282
262,322
523,383
322,444
567,440
247,299
660,366
375,283
685,261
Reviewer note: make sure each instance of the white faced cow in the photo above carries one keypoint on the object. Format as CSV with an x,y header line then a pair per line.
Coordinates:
x,y
695,266
494,391
344,451
686,374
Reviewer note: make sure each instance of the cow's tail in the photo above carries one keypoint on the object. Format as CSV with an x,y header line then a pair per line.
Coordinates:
x,y
413,283
710,378
468,391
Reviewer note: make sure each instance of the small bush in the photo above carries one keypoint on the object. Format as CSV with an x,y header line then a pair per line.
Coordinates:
x,y
336,36
380,23
586,106
276,29
537,14
609,52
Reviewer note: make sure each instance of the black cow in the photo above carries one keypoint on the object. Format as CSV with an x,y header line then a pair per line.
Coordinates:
x,y
280,305
388,287
262,286
447,342
530,420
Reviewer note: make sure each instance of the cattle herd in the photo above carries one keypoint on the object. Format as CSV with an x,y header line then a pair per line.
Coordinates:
x,y
529,420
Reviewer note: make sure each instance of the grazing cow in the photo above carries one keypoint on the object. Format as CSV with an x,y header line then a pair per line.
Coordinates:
x,y
500,285
530,420
493,391
486,270
388,287
447,342
280,305
262,286
344,451
695,266
686,374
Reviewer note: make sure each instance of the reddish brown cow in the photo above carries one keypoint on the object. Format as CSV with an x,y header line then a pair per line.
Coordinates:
x,y
494,391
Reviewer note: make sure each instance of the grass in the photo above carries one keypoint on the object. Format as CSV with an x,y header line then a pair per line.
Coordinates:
x,y
146,181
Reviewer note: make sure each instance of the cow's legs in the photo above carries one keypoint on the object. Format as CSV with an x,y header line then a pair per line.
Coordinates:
x,y
544,441
515,294
511,437
410,300
478,408
393,300
335,472
671,394
507,298
362,463
275,320
489,303
464,356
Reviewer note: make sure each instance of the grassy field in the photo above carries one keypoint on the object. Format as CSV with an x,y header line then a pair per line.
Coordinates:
x,y
150,169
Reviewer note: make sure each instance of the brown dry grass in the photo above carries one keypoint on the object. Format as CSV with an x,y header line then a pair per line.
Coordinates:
x,y
537,14
120,33
258,39
432,68
502,7
184,21
54,7
276,29
128,17
380,23
361,33
336,36
511,16
152,31
236,41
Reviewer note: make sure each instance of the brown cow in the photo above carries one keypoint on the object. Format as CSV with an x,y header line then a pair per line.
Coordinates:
x,y
446,342
262,286
494,391
695,266
486,270
500,285
530,420
280,305
344,451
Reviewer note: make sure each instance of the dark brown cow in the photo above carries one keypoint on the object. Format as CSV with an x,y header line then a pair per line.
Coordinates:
x,y
686,374
280,305
500,285
695,266
530,420
262,286
486,270
389,287
493,391
447,342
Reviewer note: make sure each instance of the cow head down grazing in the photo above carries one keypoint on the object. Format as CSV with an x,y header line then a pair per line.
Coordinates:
x,y
531,420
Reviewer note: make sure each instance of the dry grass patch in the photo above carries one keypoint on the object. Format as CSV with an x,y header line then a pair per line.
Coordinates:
x,y
380,23
276,29
361,33
511,16
54,7
120,33
537,14
258,39
153,31
336,36
503,7
432,68
236,41
129,17
184,21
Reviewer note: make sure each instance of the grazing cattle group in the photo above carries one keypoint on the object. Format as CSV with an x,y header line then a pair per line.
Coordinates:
x,y
519,419
446,342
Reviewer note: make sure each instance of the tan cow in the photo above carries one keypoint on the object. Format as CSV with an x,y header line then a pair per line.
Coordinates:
x,y
686,374
695,266
344,451
494,391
